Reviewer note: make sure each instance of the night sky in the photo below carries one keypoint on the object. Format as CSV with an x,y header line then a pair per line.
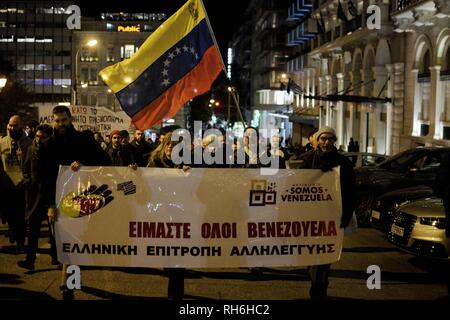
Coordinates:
x,y
225,16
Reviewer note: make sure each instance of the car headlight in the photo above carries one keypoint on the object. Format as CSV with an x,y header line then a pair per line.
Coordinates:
x,y
433,221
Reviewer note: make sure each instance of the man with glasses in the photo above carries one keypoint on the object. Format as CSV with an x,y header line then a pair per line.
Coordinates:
x,y
326,157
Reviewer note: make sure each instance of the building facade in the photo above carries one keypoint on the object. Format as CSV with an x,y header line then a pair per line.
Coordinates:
x,y
396,50
270,104
35,40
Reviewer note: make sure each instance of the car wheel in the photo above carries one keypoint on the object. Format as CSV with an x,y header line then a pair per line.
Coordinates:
x,y
363,209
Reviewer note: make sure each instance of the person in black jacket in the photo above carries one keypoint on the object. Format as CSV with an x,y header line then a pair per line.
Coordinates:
x,y
140,148
35,210
68,147
326,157
120,155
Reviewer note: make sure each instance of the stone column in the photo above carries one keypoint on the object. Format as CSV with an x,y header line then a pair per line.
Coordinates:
x,y
398,121
322,119
307,73
389,108
340,112
365,135
435,107
378,129
328,104
302,84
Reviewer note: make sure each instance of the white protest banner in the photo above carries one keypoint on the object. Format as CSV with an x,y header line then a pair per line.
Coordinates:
x,y
98,119
202,218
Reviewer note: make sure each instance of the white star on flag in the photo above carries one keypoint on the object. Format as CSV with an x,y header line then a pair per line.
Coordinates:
x,y
171,55
177,50
186,49
166,63
166,82
165,72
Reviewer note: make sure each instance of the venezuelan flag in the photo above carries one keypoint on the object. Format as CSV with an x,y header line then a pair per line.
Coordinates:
x,y
176,63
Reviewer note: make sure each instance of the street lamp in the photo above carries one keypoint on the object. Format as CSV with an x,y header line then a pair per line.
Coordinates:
x,y
2,82
91,43
233,92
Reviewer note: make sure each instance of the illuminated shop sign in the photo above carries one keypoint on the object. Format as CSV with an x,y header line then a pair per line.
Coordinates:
x,y
136,28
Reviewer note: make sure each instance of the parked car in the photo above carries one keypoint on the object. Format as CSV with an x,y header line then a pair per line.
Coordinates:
x,y
409,168
364,159
359,159
419,227
386,204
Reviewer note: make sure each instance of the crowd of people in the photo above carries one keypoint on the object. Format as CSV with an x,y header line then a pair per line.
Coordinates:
x,y
31,158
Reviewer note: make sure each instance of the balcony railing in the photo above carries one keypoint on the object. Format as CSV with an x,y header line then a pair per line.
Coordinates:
x,y
303,32
299,9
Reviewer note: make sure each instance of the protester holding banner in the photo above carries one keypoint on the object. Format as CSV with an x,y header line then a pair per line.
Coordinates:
x,y
67,146
326,157
161,157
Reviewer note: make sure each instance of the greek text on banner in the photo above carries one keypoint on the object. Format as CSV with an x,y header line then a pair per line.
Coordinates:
x,y
202,218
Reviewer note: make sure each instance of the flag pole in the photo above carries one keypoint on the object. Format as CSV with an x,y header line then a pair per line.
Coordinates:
x,y
221,59
213,37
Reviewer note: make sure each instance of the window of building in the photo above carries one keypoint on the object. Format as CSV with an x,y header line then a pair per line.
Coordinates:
x,y
88,54
110,54
445,78
93,76
7,39
62,82
424,70
127,51
84,75
84,99
109,100
25,67
93,99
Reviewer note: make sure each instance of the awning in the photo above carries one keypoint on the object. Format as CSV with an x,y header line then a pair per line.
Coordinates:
x,y
350,98
305,119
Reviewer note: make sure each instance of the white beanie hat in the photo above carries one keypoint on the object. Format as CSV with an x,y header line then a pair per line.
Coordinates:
x,y
323,130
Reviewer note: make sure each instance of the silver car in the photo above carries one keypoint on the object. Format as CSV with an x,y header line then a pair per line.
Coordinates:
x,y
419,227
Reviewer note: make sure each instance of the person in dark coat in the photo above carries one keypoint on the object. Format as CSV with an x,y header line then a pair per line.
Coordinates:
x,y
120,155
161,157
67,147
140,148
13,148
35,210
326,157
442,190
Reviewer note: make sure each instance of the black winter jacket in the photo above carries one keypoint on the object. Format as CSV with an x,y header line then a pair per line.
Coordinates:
x,y
63,150
326,161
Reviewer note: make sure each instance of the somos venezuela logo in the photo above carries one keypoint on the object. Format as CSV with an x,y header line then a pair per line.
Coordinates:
x,y
91,200
264,193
